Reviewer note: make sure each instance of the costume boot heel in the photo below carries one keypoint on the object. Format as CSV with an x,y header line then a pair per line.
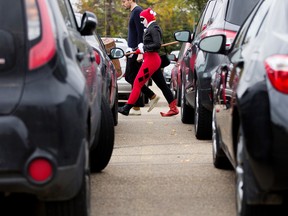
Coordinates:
x,y
173,110
125,109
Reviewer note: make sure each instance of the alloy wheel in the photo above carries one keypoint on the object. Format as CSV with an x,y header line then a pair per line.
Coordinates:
x,y
239,175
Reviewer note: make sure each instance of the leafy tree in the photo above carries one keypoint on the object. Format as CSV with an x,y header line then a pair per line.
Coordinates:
x,y
171,15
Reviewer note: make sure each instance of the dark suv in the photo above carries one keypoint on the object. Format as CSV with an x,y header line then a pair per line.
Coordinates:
x,y
107,68
218,17
52,110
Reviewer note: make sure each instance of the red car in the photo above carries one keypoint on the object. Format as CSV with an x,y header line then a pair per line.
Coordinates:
x,y
175,84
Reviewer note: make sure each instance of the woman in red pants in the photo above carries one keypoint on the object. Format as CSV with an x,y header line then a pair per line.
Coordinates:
x,y
152,40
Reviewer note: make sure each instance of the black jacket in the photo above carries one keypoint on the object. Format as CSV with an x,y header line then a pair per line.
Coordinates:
x,y
152,38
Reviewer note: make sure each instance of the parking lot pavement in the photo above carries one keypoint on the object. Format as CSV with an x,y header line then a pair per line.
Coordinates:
x,y
159,168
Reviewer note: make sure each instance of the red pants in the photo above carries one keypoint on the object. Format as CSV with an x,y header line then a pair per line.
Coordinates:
x,y
151,63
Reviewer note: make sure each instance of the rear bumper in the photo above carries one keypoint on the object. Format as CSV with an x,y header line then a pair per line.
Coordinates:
x,y
16,152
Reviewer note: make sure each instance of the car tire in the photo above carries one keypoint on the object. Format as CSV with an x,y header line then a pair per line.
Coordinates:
x,y
178,96
187,112
115,109
78,205
173,91
202,119
243,185
101,154
220,159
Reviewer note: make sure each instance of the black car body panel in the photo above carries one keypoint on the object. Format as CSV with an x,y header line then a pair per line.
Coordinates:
x,y
107,68
218,16
48,107
250,101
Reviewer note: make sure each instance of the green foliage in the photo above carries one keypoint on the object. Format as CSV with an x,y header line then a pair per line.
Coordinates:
x,y
171,15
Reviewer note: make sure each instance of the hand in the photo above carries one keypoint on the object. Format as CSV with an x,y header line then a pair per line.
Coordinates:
x,y
140,58
128,50
140,47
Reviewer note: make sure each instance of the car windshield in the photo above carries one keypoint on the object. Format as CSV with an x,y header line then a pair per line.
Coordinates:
x,y
239,10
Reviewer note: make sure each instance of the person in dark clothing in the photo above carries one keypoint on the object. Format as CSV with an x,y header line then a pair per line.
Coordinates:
x,y
135,37
150,67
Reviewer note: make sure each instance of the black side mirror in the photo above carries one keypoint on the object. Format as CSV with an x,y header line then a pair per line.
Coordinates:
x,y
116,53
172,57
88,23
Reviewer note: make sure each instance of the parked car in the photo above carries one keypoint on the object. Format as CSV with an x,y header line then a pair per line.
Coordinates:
x,y
176,53
54,121
250,94
176,72
167,72
108,71
218,16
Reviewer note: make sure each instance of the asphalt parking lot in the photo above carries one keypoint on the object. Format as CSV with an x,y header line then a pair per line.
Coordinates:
x,y
159,168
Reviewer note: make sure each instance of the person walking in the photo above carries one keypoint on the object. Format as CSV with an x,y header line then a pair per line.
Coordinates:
x,y
152,40
134,61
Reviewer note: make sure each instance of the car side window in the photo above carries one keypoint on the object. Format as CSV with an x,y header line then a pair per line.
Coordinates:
x,y
204,19
217,8
257,22
67,14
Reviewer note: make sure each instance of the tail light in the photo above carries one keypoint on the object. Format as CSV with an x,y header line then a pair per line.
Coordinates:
x,y
230,35
97,57
40,170
277,70
40,28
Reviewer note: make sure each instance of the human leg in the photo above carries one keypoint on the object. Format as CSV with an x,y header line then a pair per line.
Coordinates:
x,y
159,80
148,67
132,68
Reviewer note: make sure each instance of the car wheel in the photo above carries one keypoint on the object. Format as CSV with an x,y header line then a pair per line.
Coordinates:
x,y
220,159
178,96
202,119
78,205
242,184
172,90
187,112
100,155
115,110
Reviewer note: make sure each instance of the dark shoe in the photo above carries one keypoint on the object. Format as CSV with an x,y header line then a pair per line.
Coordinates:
x,y
125,109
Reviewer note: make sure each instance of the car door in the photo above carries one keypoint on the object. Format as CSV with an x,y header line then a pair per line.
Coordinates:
x,y
86,60
230,78
188,76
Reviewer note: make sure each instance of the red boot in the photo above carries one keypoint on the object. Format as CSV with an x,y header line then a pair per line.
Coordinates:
x,y
173,110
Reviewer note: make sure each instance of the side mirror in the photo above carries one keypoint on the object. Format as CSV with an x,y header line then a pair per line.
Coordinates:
x,y
88,23
116,53
182,36
172,57
213,44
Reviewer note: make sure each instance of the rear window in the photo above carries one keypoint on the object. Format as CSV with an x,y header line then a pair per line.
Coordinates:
x,y
238,10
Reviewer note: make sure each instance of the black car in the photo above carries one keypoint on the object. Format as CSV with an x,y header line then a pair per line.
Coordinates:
x,y
218,17
54,121
107,68
250,121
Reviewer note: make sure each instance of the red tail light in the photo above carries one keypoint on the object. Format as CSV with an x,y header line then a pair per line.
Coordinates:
x,y
230,35
40,170
39,25
97,57
277,70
